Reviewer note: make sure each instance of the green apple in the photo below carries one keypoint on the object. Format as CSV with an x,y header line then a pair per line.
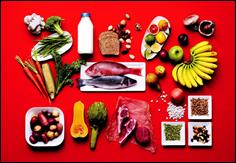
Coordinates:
x,y
176,53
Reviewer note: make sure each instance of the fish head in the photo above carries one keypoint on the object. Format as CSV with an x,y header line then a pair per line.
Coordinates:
x,y
93,71
128,82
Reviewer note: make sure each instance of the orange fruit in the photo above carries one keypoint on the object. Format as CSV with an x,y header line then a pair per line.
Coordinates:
x,y
163,25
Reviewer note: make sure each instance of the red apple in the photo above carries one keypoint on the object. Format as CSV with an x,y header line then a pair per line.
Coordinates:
x,y
177,96
163,54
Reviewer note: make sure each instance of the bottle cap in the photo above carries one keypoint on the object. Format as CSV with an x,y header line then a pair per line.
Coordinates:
x,y
85,14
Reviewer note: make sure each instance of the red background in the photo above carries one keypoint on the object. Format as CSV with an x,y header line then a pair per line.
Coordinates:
x,y
19,94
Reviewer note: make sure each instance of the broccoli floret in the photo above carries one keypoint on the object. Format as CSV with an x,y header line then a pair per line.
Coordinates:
x,y
53,24
97,115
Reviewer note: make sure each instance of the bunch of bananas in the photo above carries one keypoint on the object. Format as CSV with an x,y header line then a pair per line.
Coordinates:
x,y
201,66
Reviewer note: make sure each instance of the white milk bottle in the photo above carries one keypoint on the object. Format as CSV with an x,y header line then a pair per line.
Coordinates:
x,y
85,34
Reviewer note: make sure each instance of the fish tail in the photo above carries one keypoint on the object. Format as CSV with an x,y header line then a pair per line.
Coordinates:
x,y
136,71
80,82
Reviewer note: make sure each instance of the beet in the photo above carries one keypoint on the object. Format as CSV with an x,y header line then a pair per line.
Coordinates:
x,y
142,136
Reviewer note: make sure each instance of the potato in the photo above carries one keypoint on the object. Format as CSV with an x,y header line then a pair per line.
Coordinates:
x,y
59,128
33,121
50,135
53,127
43,120
52,121
55,113
36,135
37,128
32,139
44,138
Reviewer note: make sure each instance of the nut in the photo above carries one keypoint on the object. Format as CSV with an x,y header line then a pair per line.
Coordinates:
x,y
55,113
121,40
131,56
127,16
128,41
110,28
127,31
125,51
123,23
137,27
53,127
37,128
128,46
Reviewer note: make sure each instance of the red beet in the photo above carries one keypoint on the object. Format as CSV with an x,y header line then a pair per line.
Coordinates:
x,y
142,136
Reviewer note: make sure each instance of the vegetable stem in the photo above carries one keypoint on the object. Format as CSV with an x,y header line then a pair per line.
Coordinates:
x,y
94,137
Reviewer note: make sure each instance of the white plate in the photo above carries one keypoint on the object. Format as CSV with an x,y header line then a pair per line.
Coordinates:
x,y
198,117
60,51
190,133
181,142
52,143
167,33
141,82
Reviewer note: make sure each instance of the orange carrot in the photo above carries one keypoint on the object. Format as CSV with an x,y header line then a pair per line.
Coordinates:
x,y
39,68
30,65
29,74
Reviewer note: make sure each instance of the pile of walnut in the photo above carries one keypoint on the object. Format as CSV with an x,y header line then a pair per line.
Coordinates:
x,y
124,35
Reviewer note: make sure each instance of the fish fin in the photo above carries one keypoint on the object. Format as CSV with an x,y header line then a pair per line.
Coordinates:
x,y
136,71
80,82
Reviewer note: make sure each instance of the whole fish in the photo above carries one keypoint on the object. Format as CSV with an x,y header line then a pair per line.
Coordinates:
x,y
107,82
107,68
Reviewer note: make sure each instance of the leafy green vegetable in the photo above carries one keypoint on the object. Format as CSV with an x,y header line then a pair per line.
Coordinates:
x,y
172,132
53,24
64,72
97,115
50,44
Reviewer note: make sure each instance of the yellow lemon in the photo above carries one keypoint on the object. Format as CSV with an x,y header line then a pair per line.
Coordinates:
x,y
161,37
156,47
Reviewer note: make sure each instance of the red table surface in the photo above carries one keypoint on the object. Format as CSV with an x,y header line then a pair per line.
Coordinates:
x,y
19,94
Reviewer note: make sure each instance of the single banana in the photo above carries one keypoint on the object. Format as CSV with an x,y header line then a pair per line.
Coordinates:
x,y
195,76
201,74
198,45
202,49
190,77
207,64
174,72
180,75
207,59
204,69
207,54
185,77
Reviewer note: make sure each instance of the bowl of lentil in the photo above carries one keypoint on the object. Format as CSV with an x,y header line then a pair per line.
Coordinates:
x,y
173,133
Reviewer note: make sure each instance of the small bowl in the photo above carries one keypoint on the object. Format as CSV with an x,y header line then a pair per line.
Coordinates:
x,y
180,142
52,143
190,133
204,23
200,117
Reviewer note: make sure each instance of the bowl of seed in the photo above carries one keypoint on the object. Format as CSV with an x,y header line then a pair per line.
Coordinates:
x,y
200,107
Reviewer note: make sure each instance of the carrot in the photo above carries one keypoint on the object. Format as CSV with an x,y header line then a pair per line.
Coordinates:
x,y
29,74
30,65
39,68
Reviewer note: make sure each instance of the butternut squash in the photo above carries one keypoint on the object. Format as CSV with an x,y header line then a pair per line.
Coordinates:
x,y
78,128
